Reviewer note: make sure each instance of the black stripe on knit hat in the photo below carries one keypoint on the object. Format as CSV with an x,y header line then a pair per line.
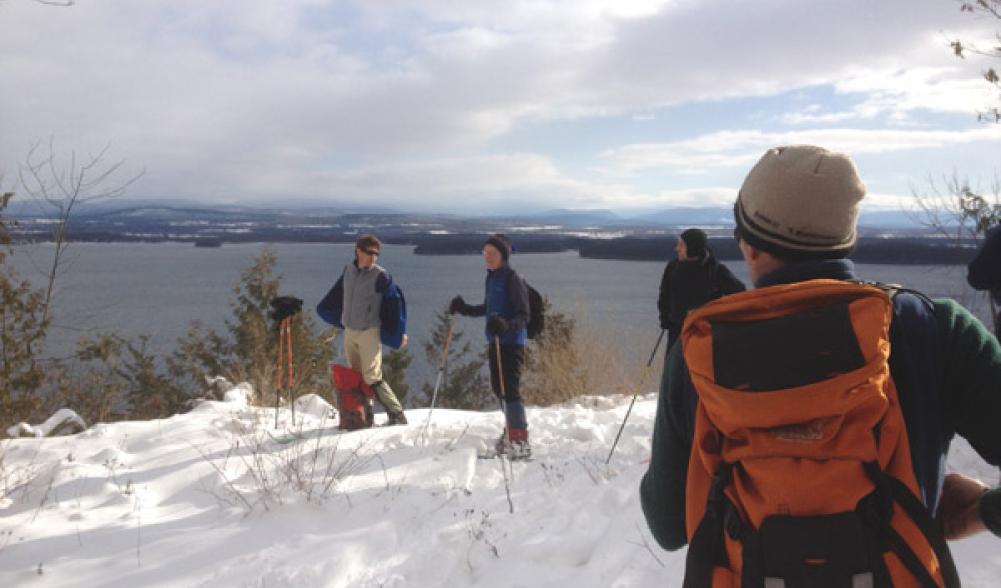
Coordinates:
x,y
749,232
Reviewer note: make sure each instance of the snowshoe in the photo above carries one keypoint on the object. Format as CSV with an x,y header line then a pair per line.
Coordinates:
x,y
517,449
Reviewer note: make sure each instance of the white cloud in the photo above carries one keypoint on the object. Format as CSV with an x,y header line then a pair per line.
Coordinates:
x,y
257,98
508,183
740,149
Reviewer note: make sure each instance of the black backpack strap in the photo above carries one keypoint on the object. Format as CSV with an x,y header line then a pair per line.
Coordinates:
x,y
707,549
889,490
921,517
893,289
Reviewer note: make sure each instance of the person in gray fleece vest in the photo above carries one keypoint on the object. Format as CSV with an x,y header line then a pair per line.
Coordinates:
x,y
365,282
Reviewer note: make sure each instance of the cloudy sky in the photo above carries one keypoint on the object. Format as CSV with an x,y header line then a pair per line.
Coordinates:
x,y
493,105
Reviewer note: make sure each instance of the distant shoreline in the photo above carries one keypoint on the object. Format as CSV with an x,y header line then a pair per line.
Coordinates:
x,y
889,250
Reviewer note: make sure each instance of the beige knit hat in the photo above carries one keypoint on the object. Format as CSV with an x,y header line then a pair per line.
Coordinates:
x,y
800,202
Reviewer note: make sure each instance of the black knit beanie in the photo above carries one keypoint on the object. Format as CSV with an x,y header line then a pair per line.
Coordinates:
x,y
500,243
696,242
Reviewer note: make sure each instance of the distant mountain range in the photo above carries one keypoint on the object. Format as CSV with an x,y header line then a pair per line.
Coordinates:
x,y
885,237
147,213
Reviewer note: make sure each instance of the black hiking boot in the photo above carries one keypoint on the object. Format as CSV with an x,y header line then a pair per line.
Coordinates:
x,y
397,418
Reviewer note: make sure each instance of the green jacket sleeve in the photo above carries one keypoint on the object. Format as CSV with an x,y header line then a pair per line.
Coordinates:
x,y
972,391
972,396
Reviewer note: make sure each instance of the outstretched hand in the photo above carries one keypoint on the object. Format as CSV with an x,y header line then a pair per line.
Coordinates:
x,y
457,305
959,509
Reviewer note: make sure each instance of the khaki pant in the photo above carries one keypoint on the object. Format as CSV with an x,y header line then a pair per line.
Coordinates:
x,y
364,352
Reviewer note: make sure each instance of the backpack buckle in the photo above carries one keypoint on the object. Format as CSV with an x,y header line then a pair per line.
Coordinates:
x,y
732,523
719,482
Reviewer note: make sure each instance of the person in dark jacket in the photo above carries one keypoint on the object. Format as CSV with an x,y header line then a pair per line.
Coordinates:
x,y
984,273
796,217
689,281
505,305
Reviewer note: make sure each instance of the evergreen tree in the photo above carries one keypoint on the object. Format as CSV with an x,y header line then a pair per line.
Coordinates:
x,y
22,335
394,371
464,385
250,351
128,382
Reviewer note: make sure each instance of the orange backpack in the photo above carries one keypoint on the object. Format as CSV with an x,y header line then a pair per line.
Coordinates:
x,y
800,472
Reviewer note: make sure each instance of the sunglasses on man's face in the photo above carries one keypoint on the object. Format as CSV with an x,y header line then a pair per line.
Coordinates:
x,y
373,253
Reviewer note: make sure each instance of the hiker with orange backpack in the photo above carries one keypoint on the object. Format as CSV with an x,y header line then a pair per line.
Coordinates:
x,y
506,307
802,436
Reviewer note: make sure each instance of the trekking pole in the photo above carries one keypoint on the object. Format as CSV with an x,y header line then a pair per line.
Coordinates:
x,y
507,431
283,308
291,370
437,381
278,369
639,386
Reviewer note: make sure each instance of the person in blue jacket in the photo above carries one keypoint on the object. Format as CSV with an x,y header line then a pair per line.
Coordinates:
x,y
371,310
505,305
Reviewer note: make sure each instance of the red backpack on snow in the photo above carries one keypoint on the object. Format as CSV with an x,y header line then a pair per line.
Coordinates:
x,y
354,398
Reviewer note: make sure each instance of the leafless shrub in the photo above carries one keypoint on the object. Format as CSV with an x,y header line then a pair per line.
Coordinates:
x,y
961,213
270,471
572,358
16,478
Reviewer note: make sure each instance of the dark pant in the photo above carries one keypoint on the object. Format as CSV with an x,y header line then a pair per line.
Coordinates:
x,y
512,360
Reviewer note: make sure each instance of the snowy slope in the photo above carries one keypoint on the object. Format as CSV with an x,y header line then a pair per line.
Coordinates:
x,y
209,498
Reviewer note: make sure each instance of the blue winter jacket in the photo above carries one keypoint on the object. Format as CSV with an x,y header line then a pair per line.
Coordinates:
x,y
507,297
392,311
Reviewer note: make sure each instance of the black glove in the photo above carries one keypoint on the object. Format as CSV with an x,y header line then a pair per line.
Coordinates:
x,y
457,306
496,325
283,307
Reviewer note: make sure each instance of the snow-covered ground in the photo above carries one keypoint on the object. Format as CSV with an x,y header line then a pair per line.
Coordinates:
x,y
210,498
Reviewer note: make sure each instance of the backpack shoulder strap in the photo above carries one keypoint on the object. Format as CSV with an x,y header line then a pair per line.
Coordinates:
x,y
892,290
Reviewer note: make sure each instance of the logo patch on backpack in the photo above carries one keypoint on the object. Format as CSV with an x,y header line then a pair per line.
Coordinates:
x,y
811,431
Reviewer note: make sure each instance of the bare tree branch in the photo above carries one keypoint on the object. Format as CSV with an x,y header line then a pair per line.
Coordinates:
x,y
60,187
987,9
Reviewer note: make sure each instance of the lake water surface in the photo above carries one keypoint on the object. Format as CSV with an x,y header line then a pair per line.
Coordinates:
x,y
158,289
